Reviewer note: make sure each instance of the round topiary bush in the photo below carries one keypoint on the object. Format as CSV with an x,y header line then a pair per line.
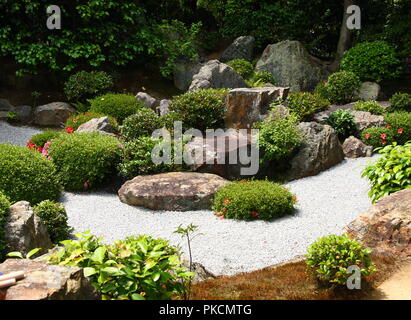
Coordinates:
x,y
85,85
343,123
77,120
143,123
54,217
242,67
4,213
201,109
372,61
27,175
304,105
40,139
249,200
331,256
370,106
400,102
119,105
260,78
341,87
84,160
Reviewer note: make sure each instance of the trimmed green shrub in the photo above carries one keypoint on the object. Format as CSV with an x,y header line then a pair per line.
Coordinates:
x,y
201,109
343,123
370,106
167,121
119,105
260,79
372,61
26,175
278,138
249,200
141,124
136,158
304,105
84,160
4,213
85,85
137,268
391,172
400,123
331,256
77,120
40,139
400,102
54,217
242,67
378,136
341,87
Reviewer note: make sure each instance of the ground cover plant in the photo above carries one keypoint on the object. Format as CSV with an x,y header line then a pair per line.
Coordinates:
x,y
304,105
369,106
343,123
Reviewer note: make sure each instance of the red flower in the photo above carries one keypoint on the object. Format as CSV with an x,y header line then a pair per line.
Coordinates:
x,y
69,129
225,210
295,198
226,201
388,126
383,135
218,213
383,141
86,184
222,217
255,214
400,130
367,136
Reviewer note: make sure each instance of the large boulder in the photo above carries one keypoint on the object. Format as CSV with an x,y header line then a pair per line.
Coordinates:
x,y
365,120
215,74
53,114
24,230
101,125
147,100
386,226
176,191
221,154
355,148
369,91
164,107
44,281
5,107
246,106
241,48
184,72
292,66
319,151
24,113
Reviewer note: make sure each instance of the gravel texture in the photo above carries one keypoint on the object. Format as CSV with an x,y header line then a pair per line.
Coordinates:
x,y
326,203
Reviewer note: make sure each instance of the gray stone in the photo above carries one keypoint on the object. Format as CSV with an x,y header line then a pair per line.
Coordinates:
x,y
319,151
164,107
25,113
355,148
177,191
101,125
24,231
5,105
365,120
245,106
184,72
53,114
147,100
201,273
369,91
215,74
292,66
241,48
44,281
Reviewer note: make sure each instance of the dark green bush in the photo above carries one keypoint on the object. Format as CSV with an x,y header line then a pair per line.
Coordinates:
x,y
242,67
278,138
141,124
137,268
391,172
85,85
26,175
249,200
331,256
372,61
378,136
84,160
370,106
201,109
260,79
400,102
304,105
341,87
4,213
119,105
54,217
40,139
343,123
400,123
77,120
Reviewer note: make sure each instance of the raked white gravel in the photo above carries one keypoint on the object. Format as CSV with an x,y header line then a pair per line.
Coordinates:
x,y
326,203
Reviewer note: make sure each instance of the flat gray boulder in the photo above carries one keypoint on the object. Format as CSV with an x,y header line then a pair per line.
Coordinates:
x,y
54,114
101,125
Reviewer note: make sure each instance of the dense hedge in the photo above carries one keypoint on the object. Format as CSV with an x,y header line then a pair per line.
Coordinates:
x,y
4,212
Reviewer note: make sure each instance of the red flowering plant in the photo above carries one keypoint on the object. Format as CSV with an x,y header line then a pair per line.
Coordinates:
x,y
378,136
251,200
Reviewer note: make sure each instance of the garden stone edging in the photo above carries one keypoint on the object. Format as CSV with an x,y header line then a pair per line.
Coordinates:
x,y
177,191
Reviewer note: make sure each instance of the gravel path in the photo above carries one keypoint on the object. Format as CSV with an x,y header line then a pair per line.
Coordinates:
x,y
16,135
326,203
